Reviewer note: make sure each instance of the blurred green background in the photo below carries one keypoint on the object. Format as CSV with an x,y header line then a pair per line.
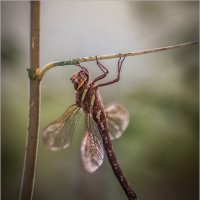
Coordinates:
x,y
159,151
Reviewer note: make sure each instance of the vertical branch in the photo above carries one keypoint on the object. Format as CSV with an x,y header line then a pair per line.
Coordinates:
x,y
27,183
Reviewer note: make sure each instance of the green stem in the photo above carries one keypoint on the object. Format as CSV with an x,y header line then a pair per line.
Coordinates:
x,y
40,72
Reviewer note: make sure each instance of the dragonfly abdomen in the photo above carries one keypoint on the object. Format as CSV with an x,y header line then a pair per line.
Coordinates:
x,y
100,119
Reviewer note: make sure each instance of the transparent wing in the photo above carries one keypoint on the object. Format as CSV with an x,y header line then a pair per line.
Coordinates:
x,y
58,134
92,146
117,120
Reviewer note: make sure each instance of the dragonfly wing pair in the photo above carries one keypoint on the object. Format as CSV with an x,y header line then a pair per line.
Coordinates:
x,y
92,146
58,134
117,120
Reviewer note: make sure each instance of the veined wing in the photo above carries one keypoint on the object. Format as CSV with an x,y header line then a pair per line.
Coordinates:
x,y
58,134
117,120
92,146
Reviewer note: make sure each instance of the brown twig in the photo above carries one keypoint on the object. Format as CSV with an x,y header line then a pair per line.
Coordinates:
x,y
40,72
27,183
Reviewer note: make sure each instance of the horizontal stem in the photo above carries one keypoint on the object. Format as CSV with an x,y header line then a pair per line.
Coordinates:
x,y
40,72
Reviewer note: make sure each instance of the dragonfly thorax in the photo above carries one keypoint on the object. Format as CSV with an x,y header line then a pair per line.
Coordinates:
x,y
87,98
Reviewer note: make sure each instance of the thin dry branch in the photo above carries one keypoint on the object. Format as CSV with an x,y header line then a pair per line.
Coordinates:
x,y
40,72
28,177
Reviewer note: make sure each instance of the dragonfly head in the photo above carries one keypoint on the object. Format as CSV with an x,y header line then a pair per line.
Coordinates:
x,y
80,78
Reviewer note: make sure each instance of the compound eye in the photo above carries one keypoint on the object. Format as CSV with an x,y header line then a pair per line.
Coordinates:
x,y
82,73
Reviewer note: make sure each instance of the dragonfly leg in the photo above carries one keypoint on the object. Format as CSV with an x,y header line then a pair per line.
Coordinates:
x,y
119,66
103,69
78,65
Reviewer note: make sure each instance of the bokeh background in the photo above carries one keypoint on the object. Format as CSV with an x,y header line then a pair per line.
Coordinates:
x,y
159,151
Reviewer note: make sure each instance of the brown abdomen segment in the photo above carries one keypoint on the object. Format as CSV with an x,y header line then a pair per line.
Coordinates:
x,y
100,119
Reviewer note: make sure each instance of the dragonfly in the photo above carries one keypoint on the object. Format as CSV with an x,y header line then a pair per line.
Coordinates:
x,y
102,124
